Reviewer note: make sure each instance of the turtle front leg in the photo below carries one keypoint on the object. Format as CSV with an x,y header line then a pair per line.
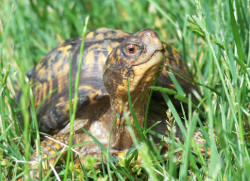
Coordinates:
x,y
52,149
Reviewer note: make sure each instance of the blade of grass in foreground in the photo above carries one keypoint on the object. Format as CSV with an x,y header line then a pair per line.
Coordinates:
x,y
136,122
175,114
34,118
232,102
73,112
147,158
188,142
108,155
237,37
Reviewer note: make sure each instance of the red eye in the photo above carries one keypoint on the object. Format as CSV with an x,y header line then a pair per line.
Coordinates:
x,y
131,48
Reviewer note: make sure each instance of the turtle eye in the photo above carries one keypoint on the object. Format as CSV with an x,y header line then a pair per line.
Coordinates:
x,y
131,48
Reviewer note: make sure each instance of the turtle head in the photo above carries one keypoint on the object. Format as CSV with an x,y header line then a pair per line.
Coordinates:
x,y
138,58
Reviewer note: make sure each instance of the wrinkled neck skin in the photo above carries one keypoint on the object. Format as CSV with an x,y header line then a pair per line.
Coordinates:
x,y
120,108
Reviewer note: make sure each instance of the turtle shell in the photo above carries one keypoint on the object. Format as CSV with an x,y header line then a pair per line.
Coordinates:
x,y
51,77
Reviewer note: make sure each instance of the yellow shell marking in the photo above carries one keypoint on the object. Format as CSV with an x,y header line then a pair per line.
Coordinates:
x,y
89,61
90,35
52,152
50,86
99,37
57,146
48,148
65,49
87,87
61,79
100,64
110,48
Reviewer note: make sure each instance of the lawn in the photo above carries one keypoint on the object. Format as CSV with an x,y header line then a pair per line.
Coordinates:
x,y
213,38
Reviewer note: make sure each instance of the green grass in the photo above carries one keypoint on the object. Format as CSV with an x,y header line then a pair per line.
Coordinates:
x,y
212,36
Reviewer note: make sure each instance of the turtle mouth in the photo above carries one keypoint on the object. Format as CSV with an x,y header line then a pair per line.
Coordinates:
x,y
144,72
152,58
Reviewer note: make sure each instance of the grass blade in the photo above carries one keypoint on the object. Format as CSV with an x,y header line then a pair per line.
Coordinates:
x,y
72,116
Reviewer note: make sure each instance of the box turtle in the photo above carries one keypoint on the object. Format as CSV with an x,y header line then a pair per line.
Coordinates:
x,y
110,57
